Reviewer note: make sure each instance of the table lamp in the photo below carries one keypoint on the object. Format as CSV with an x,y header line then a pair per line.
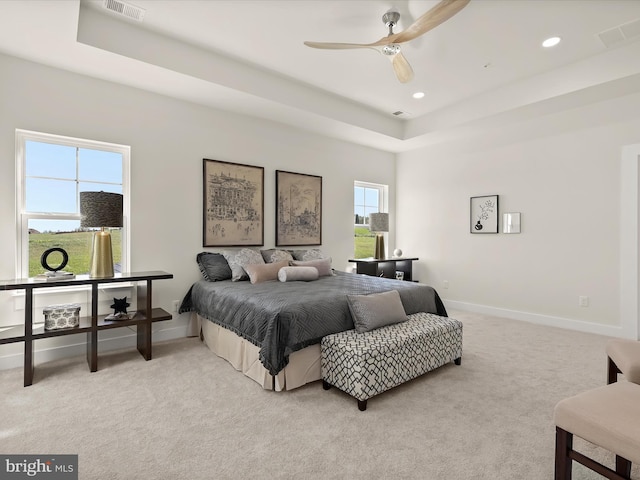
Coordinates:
x,y
379,223
101,210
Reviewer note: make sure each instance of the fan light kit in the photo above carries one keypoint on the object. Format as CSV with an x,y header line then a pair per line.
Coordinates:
x,y
390,45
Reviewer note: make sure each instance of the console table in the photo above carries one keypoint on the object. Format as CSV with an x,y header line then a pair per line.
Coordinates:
x,y
92,324
386,268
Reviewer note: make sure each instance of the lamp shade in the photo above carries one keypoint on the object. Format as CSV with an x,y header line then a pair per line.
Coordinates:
x,y
379,222
100,209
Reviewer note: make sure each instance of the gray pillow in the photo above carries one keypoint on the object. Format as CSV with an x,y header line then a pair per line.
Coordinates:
x,y
213,266
311,254
238,259
273,255
376,310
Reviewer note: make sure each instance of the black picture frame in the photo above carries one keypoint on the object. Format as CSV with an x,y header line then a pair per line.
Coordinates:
x,y
484,214
233,204
298,209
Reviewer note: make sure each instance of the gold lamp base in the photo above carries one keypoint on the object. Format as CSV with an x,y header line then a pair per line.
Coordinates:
x,y
101,255
379,247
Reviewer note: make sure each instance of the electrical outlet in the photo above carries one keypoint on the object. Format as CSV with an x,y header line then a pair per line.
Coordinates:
x,y
583,301
445,284
176,305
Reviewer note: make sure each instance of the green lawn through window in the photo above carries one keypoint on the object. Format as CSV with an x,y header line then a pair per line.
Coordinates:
x,y
76,244
364,242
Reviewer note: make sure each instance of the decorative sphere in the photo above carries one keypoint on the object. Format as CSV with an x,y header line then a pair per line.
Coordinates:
x,y
397,252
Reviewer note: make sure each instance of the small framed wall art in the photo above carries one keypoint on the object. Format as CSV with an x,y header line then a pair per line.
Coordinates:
x,y
484,214
511,222
233,204
298,209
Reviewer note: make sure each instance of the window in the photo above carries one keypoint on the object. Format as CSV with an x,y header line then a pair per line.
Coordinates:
x,y
51,172
368,198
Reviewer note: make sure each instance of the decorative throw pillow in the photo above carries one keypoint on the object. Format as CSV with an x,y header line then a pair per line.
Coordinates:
x,y
376,310
261,272
311,254
323,266
275,255
213,266
237,259
297,274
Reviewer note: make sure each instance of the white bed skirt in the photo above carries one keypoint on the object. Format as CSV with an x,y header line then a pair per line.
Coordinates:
x,y
303,367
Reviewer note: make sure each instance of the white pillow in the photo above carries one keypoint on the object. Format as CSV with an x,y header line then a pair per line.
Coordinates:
x,y
376,310
297,274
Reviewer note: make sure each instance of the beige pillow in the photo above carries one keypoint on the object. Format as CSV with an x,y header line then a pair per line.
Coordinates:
x,y
323,266
261,272
376,310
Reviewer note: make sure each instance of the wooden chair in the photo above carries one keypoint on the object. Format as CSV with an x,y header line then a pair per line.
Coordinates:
x,y
605,416
623,357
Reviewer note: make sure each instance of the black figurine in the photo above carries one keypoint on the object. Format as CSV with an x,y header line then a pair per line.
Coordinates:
x,y
120,305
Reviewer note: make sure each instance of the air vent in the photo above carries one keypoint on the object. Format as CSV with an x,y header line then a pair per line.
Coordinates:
x,y
620,33
125,9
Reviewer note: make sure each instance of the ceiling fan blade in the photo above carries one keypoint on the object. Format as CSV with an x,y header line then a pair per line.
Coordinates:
x,y
342,46
401,66
442,12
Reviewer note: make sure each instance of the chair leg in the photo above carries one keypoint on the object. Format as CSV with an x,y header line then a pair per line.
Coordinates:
x,y
613,371
564,444
623,466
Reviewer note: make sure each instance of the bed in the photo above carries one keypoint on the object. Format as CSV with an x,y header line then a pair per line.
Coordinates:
x,y
271,330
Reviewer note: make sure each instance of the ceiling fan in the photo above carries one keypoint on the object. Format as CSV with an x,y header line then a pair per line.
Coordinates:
x,y
390,45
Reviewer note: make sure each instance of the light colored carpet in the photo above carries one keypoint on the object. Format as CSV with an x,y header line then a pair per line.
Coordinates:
x,y
188,414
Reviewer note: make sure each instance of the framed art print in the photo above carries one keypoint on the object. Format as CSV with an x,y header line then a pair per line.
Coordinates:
x,y
233,204
298,209
484,214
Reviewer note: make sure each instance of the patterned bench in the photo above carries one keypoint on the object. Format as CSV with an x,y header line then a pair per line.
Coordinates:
x,y
366,364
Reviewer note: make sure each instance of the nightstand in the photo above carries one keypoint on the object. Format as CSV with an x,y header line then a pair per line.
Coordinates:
x,y
386,268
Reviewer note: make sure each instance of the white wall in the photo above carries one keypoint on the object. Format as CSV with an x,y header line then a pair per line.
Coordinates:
x,y
563,173
168,139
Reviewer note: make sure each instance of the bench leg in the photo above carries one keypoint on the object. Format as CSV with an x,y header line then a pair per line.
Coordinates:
x,y
458,361
564,444
623,467
326,385
362,405
612,371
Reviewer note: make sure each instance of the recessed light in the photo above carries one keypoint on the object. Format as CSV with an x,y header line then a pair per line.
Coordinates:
x,y
551,42
418,95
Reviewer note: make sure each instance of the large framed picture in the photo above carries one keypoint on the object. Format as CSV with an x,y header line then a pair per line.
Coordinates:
x,y
484,214
298,209
233,204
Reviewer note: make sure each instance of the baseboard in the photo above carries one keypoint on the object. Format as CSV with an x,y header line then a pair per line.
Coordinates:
x,y
560,322
128,340
122,338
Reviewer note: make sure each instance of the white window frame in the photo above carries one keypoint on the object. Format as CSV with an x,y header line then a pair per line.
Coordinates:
x,y
382,196
23,217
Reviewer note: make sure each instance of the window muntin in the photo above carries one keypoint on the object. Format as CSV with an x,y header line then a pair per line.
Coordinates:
x,y
367,198
52,171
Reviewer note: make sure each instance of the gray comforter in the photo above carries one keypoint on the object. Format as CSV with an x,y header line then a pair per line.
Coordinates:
x,y
282,317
